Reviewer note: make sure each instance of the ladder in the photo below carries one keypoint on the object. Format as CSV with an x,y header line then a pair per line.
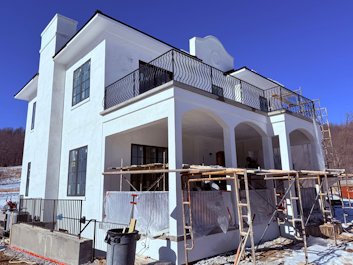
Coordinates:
x,y
280,196
321,115
244,216
245,219
327,211
187,223
283,213
323,193
301,219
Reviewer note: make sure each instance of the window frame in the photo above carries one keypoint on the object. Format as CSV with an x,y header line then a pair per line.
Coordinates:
x,y
144,155
33,120
28,178
76,173
78,89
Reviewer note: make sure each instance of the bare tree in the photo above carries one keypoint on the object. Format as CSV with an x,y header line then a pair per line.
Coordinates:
x,y
342,138
11,146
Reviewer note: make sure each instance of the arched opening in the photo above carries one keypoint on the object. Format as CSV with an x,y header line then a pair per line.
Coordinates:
x,y
202,139
248,140
302,150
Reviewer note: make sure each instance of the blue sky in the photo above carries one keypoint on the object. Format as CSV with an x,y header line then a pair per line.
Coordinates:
x,y
307,44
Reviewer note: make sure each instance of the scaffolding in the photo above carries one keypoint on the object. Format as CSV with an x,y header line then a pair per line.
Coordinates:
x,y
243,207
287,187
321,116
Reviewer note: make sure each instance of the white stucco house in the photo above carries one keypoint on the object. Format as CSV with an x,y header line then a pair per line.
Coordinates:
x,y
109,95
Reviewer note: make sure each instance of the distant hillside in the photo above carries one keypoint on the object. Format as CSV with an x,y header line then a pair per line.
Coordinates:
x,y
10,172
11,146
9,184
342,138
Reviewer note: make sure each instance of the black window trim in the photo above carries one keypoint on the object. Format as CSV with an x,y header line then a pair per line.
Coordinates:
x,y
28,178
73,84
33,120
76,173
144,151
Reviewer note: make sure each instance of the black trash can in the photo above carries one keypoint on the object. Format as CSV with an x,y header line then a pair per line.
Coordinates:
x,y
121,248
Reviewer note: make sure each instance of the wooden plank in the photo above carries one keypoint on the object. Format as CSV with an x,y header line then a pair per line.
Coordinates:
x,y
132,225
157,171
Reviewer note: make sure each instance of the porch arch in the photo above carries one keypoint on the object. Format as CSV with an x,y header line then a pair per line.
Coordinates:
x,y
203,138
249,145
303,151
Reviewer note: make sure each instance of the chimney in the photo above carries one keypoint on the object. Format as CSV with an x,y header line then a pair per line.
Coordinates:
x,y
59,30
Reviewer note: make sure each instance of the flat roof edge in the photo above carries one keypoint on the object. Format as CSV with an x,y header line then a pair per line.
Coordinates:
x,y
98,12
26,85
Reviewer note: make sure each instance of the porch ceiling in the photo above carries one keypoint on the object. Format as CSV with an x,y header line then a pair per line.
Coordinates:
x,y
245,132
195,123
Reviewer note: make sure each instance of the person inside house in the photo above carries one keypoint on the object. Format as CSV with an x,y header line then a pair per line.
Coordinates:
x,y
251,163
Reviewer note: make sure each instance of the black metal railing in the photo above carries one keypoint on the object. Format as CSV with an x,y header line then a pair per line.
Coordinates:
x,y
282,98
55,214
184,68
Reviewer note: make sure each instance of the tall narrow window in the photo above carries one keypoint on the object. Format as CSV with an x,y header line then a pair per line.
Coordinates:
x,y
77,172
33,115
28,177
81,83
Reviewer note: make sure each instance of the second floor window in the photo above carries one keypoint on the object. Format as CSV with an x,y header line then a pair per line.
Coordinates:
x,y
81,83
33,115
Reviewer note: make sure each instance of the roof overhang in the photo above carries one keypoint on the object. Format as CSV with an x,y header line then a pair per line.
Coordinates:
x,y
250,76
95,29
29,91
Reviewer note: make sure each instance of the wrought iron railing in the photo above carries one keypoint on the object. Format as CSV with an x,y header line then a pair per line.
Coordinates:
x,y
184,68
55,214
282,98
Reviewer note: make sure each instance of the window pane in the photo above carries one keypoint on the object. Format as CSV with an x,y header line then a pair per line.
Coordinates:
x,y
77,82
77,172
151,155
160,155
28,178
143,154
33,115
81,83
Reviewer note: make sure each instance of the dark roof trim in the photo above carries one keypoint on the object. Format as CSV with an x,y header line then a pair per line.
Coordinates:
x,y
247,68
26,84
116,20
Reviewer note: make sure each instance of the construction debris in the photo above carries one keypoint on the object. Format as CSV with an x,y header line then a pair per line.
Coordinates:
x,y
286,251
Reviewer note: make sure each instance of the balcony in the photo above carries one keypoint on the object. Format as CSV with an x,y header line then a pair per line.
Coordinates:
x,y
184,68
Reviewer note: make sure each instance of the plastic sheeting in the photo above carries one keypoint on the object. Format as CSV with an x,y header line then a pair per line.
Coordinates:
x,y
262,205
211,210
151,210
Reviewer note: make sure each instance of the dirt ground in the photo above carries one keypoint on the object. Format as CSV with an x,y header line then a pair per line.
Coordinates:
x,y
6,259
280,251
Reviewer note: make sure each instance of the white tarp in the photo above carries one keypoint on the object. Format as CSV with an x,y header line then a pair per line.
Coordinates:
x,y
151,210
211,210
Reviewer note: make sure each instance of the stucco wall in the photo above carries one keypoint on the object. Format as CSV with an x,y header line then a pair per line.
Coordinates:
x,y
82,126
29,152
124,55
198,149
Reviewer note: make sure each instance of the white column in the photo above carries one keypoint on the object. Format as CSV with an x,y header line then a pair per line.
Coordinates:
x,y
267,152
279,128
317,151
286,156
175,160
230,151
